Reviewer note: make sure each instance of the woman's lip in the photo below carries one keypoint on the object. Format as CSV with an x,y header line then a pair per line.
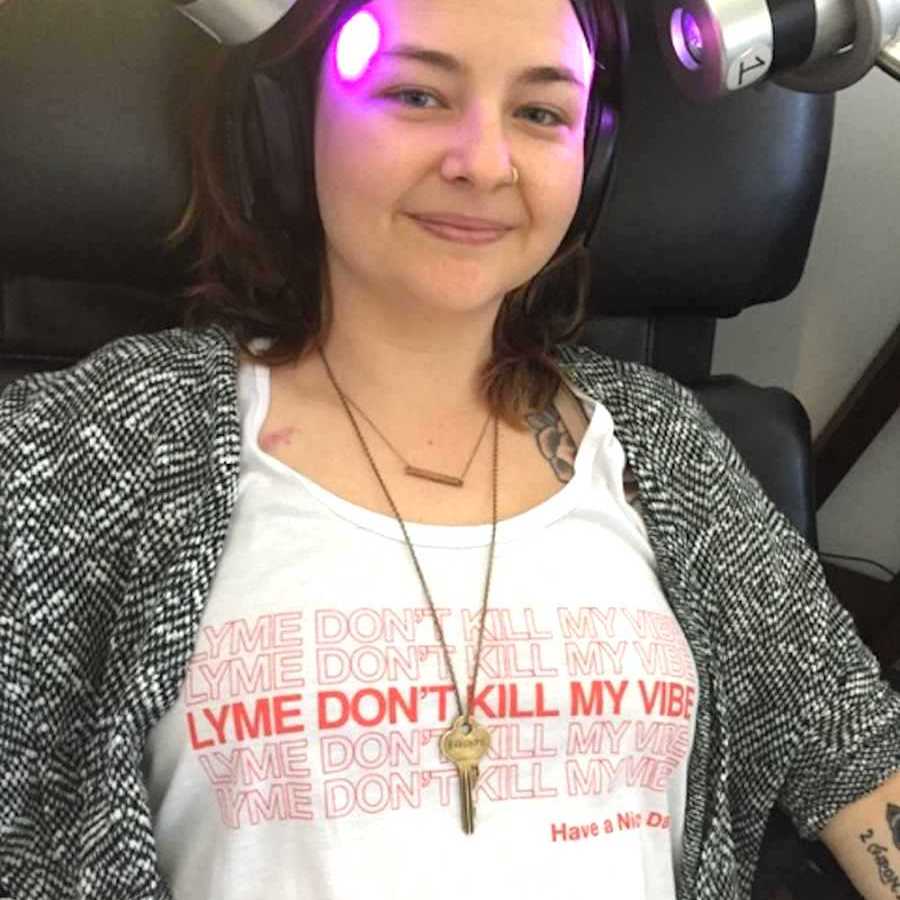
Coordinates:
x,y
461,235
468,225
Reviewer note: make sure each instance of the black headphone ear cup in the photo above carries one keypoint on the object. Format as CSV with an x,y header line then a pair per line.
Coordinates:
x,y
279,158
603,123
268,152
600,146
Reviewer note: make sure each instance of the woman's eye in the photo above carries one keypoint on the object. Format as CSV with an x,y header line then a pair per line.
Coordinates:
x,y
554,118
410,92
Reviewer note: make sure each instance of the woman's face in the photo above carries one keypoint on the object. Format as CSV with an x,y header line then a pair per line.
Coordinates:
x,y
397,137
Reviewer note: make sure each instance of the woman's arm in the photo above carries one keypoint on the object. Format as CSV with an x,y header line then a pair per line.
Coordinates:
x,y
865,839
19,791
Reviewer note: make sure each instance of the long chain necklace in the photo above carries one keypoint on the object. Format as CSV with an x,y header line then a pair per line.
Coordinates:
x,y
466,742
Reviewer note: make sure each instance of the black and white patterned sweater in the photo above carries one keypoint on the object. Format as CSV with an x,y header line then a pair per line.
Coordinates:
x,y
118,477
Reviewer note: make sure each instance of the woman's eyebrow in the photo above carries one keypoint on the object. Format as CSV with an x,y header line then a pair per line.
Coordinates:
x,y
441,60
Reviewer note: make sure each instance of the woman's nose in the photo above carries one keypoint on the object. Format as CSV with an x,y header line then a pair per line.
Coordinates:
x,y
481,151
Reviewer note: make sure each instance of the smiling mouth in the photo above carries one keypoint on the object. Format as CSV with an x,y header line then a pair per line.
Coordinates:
x,y
472,236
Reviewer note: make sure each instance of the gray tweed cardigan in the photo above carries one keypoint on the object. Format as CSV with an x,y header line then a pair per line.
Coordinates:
x,y
117,481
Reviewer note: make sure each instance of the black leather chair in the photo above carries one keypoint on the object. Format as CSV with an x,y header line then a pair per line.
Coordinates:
x,y
711,210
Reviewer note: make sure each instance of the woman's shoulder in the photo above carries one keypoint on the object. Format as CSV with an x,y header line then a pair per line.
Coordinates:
x,y
125,362
631,390
124,381
658,419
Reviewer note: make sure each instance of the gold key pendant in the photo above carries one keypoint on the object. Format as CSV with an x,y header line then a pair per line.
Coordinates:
x,y
464,745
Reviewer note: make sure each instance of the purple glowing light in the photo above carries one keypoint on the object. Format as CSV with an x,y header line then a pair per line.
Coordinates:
x,y
357,44
607,120
587,64
693,37
687,39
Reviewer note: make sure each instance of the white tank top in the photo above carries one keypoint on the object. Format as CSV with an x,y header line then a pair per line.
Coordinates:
x,y
301,757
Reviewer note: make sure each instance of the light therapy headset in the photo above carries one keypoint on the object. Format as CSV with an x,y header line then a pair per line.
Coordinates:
x,y
712,47
269,146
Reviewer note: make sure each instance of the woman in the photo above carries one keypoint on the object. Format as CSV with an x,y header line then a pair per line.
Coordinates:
x,y
300,598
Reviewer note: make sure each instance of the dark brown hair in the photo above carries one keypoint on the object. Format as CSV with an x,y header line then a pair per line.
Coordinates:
x,y
263,283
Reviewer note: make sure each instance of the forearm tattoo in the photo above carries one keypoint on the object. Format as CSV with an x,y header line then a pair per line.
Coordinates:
x,y
893,820
555,442
887,874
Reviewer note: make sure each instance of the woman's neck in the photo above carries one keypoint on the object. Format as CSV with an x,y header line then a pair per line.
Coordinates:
x,y
424,372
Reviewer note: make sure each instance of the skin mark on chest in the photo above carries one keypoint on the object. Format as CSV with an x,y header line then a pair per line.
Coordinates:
x,y
278,437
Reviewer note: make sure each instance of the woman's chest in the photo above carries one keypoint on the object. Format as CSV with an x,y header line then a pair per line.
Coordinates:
x,y
532,464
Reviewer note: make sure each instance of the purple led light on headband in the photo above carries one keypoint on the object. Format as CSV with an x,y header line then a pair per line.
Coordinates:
x,y
357,45
588,63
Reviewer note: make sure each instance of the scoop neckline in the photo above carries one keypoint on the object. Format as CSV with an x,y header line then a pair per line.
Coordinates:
x,y
427,534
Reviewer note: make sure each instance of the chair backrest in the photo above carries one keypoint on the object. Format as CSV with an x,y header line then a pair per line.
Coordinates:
x,y
711,209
